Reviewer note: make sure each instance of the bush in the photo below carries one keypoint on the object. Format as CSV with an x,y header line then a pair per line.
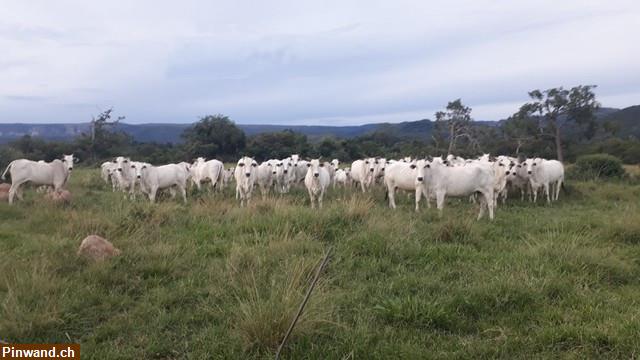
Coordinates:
x,y
597,166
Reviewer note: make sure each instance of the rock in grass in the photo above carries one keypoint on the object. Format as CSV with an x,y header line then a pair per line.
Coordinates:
x,y
4,192
96,248
61,197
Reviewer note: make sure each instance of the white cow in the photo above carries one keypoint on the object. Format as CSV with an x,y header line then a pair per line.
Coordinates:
x,y
545,173
126,175
342,178
362,172
207,171
459,181
245,175
227,177
316,181
55,174
405,176
265,178
299,171
154,178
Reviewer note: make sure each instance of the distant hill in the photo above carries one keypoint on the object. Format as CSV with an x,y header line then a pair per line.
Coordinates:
x,y
627,121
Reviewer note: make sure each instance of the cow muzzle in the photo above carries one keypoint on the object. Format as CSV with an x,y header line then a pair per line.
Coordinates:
x,y
286,171
247,174
371,170
529,172
420,178
316,174
138,176
120,169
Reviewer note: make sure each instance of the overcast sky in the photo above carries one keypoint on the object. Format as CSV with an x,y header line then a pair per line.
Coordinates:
x,y
307,62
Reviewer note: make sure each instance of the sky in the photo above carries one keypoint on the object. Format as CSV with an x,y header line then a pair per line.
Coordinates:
x,y
307,62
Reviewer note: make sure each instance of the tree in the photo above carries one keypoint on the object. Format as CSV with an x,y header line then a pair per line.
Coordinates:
x,y
277,145
214,136
455,123
555,107
102,142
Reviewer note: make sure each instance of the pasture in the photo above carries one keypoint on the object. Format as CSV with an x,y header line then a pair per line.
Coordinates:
x,y
212,280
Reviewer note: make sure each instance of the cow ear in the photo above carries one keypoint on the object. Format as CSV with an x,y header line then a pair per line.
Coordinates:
x,y
321,164
308,164
76,160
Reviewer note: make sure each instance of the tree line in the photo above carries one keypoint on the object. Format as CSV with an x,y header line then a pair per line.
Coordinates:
x,y
556,123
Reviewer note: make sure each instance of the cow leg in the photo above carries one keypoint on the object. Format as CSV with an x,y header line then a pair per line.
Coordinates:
x,y
15,187
392,196
172,191
546,192
489,204
483,203
558,186
320,199
311,198
183,190
440,202
418,197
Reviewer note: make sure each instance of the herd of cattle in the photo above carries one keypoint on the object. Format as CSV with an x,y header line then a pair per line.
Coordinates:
x,y
485,178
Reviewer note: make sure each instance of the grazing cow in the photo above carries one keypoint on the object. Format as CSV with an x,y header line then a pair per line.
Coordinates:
x,y
545,173
55,174
459,181
154,178
404,176
265,178
245,175
317,180
362,172
207,171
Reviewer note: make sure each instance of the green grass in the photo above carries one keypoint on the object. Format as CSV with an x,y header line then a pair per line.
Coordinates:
x,y
212,280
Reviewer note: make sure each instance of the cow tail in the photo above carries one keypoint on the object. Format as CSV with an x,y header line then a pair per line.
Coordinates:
x,y
6,170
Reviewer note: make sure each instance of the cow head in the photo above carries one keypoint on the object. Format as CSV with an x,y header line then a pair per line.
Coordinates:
x,y
122,163
247,166
138,169
314,166
420,166
68,161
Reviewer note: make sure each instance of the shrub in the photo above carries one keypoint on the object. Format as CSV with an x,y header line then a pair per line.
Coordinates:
x,y
597,166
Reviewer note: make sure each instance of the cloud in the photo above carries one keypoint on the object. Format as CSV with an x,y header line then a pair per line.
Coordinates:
x,y
286,62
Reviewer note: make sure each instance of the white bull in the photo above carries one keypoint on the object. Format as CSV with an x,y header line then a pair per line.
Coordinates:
x,y
54,174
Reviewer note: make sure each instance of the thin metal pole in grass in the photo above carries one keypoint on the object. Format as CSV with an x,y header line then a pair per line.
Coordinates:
x,y
304,301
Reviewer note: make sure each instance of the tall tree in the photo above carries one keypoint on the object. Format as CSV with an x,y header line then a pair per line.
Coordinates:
x,y
102,141
555,107
455,122
214,136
